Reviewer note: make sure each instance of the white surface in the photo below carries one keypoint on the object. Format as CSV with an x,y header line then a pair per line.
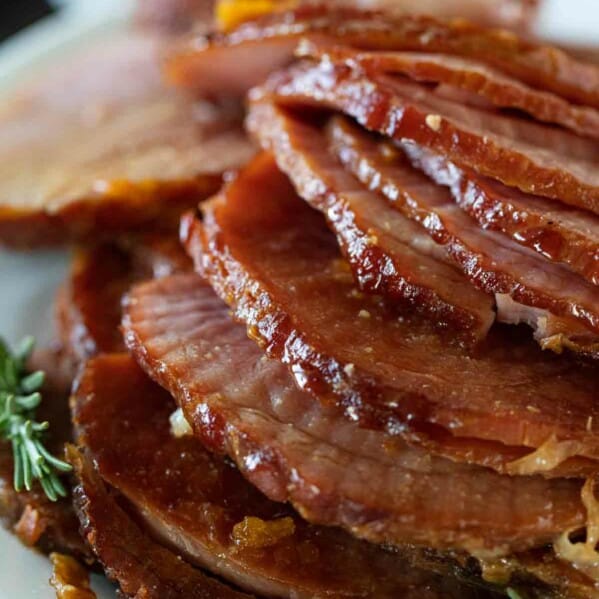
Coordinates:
x,y
28,281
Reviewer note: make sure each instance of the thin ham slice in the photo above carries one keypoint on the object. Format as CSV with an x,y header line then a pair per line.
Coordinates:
x,y
491,260
556,231
295,449
89,302
82,156
539,66
130,557
531,156
275,262
389,255
468,75
198,504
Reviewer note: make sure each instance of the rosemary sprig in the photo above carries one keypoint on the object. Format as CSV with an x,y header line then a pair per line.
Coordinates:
x,y
19,397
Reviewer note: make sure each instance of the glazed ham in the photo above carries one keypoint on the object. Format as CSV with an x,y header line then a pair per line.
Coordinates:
x,y
556,231
295,449
89,302
389,254
274,261
268,42
486,85
104,159
200,506
491,261
519,153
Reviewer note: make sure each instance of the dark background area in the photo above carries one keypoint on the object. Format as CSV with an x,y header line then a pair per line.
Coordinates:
x,y
17,14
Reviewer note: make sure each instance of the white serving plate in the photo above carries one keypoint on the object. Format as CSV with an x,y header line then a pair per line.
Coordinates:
x,y
28,281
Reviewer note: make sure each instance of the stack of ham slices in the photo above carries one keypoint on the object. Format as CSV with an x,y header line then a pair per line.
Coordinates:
x,y
374,354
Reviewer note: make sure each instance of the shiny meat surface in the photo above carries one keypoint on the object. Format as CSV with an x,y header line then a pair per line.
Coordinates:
x,y
484,83
531,156
201,506
294,448
273,260
539,66
556,231
89,302
490,260
390,255
81,156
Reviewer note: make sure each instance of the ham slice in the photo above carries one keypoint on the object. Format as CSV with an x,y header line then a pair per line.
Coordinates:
x,y
468,75
89,303
389,255
295,449
539,66
533,157
491,260
275,262
81,156
559,233
199,505
130,557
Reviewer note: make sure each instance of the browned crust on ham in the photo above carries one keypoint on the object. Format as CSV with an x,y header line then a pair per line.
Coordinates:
x,y
492,262
469,75
242,253
389,256
537,65
130,557
295,449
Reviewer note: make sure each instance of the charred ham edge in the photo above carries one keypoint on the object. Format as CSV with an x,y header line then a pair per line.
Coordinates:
x,y
198,504
469,75
517,152
98,159
558,232
130,557
391,256
274,261
88,307
541,67
491,260
295,449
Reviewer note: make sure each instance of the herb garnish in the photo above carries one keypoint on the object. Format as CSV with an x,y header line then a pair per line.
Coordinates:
x,y
19,397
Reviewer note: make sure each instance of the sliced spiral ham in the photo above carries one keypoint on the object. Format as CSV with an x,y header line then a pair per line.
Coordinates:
x,y
483,82
533,157
199,505
554,230
536,65
493,261
294,449
389,255
274,261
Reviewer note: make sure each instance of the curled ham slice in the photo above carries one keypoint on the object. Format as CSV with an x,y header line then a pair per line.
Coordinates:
x,y
293,448
556,231
389,255
464,74
539,66
275,262
491,260
533,157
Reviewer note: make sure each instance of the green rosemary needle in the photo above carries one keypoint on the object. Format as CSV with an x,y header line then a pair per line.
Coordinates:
x,y
19,397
